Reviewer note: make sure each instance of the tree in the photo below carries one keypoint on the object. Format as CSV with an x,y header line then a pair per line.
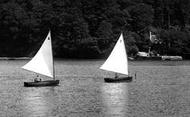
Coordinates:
x,y
13,22
141,15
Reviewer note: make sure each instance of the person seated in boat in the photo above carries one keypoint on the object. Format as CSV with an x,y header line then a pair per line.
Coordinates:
x,y
37,79
116,75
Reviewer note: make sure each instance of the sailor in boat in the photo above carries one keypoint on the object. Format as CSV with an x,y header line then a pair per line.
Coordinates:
x,y
116,75
37,79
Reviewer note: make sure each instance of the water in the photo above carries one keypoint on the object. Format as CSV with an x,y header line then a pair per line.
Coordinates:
x,y
161,89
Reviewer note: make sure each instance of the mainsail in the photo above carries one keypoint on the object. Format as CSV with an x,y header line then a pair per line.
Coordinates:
x,y
42,62
117,61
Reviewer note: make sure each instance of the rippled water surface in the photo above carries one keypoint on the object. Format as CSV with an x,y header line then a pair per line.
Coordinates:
x,y
161,89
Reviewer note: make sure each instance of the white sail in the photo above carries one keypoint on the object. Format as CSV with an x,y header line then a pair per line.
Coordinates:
x,y
117,61
42,62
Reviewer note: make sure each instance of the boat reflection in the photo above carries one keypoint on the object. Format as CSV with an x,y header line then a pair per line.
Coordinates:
x,y
115,98
38,102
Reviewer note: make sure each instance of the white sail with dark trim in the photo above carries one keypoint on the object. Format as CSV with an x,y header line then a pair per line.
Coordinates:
x,y
42,62
117,61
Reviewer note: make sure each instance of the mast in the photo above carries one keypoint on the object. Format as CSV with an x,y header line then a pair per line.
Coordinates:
x,y
52,57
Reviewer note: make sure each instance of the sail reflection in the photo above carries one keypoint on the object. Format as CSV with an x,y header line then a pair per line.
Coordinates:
x,y
115,98
37,103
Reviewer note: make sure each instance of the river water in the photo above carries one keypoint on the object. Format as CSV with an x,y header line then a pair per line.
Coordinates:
x,y
161,89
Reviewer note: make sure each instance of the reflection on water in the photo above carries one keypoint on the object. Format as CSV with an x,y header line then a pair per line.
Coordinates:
x,y
115,99
39,101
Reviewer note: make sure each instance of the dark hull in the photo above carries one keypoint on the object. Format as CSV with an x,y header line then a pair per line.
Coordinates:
x,y
42,83
120,79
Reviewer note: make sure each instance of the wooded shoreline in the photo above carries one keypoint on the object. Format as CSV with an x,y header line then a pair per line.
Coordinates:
x,y
89,29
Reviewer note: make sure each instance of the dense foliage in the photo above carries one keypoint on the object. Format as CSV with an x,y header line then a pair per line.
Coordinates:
x,y
89,28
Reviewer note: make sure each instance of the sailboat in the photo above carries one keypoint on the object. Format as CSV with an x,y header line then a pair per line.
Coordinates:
x,y
42,63
117,62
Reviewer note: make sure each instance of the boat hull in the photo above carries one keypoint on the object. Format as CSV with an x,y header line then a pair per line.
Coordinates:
x,y
42,83
120,79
